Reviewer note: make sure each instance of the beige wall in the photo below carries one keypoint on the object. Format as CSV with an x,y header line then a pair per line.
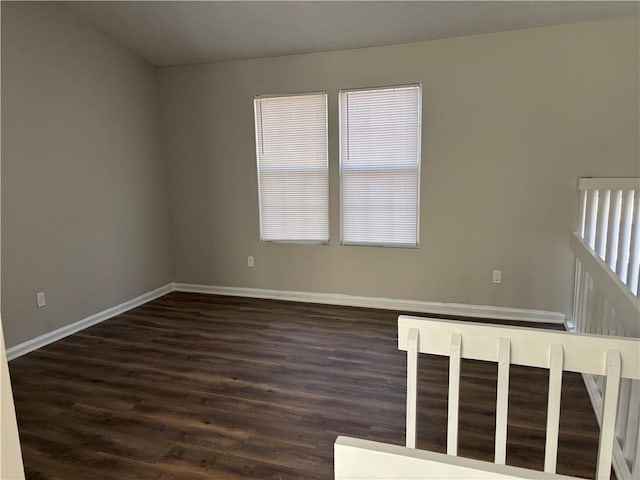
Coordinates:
x,y
84,212
11,466
511,120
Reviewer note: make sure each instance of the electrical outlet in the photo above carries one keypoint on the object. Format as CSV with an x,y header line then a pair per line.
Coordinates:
x,y
250,261
41,299
497,276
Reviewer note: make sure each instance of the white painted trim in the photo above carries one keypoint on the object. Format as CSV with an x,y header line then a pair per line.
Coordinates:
x,y
479,311
619,463
55,335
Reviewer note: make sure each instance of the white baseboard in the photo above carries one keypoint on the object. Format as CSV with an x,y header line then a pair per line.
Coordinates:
x,y
618,461
50,337
480,311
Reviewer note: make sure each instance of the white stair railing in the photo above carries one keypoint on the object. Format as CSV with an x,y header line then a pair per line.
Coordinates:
x,y
617,359
609,223
607,251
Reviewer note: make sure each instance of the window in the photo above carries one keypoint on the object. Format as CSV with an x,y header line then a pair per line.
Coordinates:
x,y
291,151
380,165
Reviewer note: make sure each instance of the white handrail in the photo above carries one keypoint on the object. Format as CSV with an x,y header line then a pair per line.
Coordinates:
x,y
530,347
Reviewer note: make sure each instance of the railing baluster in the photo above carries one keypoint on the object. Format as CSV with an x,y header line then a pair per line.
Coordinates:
x,y
612,322
577,296
607,427
602,225
591,300
556,361
454,393
590,218
631,443
634,253
595,310
613,329
636,459
622,265
585,298
613,233
600,383
502,401
412,385
623,409
582,212
584,308
605,315
587,303
602,314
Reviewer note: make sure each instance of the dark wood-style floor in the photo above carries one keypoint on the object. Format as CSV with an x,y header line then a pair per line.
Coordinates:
x,y
195,386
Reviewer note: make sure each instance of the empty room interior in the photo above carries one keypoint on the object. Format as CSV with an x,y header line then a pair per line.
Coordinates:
x,y
300,240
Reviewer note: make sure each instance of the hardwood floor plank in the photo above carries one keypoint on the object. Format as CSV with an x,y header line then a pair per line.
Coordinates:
x,y
194,386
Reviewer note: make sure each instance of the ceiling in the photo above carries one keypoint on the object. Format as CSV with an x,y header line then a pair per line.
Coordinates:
x,y
183,32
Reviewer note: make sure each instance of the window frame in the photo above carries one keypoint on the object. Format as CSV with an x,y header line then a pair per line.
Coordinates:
x,y
418,171
257,164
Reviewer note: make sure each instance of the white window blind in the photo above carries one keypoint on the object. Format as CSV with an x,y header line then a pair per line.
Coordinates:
x,y
380,165
291,150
